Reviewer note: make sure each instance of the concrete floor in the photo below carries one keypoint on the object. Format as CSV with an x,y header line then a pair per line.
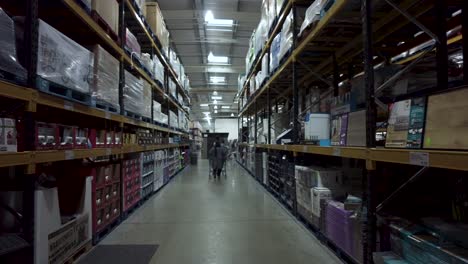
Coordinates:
x,y
199,221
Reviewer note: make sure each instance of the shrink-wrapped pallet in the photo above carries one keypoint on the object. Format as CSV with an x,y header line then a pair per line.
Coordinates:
x,y
131,42
8,57
63,61
106,77
133,94
147,98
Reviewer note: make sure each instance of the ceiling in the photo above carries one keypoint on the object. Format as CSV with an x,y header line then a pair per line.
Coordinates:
x,y
193,39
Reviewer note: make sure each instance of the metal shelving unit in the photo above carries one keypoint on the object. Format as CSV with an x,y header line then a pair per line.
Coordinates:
x,y
353,36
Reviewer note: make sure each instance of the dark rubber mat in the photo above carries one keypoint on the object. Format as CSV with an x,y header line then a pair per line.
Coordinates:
x,y
120,254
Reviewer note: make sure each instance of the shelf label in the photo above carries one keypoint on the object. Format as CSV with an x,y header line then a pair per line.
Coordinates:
x,y
337,152
69,155
108,152
68,106
419,158
108,115
304,149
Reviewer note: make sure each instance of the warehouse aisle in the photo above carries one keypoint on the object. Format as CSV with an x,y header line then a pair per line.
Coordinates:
x,y
196,221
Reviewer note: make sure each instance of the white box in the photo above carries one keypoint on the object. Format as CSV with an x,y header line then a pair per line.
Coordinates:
x,y
317,127
8,142
318,194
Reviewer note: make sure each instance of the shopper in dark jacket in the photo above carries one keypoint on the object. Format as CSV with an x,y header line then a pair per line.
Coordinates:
x,y
217,155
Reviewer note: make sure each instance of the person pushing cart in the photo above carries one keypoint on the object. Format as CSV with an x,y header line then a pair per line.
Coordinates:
x,y
217,156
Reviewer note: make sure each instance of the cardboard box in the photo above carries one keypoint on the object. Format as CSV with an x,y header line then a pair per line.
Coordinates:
x,y
398,123
155,19
8,142
446,120
106,77
109,11
339,130
356,136
319,194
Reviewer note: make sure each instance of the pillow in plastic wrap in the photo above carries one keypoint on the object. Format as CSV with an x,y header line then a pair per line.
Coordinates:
x,y
312,15
8,57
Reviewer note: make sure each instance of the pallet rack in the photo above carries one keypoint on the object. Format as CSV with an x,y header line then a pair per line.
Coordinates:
x,y
353,36
71,18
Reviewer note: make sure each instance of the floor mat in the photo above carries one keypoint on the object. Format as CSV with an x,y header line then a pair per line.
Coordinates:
x,y
120,254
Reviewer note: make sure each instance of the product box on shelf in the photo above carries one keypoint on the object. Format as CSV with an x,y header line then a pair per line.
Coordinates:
x,y
66,136
317,128
406,123
155,19
274,53
339,227
319,194
46,136
133,94
63,61
446,120
106,78
147,63
10,68
81,138
107,11
356,136
158,70
286,36
8,135
146,100
98,138
339,130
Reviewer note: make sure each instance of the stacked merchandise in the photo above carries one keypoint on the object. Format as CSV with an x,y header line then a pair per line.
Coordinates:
x,y
131,45
274,170
106,196
147,173
158,26
146,100
406,124
131,183
304,183
148,64
317,129
339,227
274,52
106,78
288,186
8,134
158,116
62,61
107,11
286,36
249,58
158,70
259,166
159,160
433,242
173,120
8,57
241,80
312,16
133,94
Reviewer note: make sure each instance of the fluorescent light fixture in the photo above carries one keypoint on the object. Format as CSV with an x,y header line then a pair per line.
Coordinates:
x,y
216,111
215,107
217,79
215,93
232,115
207,113
212,21
226,107
204,105
216,98
217,59
215,102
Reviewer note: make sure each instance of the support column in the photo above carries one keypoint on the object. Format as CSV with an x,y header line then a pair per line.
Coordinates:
x,y
256,123
122,33
465,39
369,232
441,45
296,126
336,76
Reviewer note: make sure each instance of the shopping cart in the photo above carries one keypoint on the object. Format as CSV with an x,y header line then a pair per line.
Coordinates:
x,y
211,171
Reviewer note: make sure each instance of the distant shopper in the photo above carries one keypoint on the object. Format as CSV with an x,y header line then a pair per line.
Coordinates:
x,y
218,155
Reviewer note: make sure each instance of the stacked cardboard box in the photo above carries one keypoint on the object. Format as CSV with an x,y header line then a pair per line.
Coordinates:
x,y
108,11
133,94
155,19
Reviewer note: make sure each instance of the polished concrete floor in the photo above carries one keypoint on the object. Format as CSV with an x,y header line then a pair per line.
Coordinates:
x,y
195,220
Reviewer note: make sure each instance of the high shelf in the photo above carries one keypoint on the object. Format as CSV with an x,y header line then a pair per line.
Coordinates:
x,y
83,143
356,57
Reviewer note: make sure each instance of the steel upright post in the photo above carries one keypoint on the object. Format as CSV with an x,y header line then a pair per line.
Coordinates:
x,y
294,80
441,45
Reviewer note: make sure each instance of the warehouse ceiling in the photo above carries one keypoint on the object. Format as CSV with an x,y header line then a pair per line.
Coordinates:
x,y
204,33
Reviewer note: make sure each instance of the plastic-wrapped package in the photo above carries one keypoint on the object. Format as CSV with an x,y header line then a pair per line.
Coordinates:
x,y
147,62
260,36
279,6
158,69
286,36
172,88
8,59
63,61
147,98
265,62
132,44
133,94
271,12
106,77
173,119
241,81
163,118
274,52
312,15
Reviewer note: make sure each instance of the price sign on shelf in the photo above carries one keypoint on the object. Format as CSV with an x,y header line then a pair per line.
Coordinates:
x,y
337,152
68,106
419,158
108,152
